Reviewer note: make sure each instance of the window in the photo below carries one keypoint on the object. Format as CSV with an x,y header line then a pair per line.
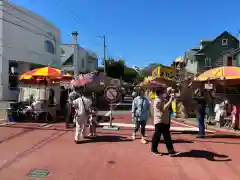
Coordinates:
x,y
83,63
229,61
49,47
13,75
62,51
225,42
208,62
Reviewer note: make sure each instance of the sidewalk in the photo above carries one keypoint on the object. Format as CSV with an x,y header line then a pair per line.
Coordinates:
x,y
192,121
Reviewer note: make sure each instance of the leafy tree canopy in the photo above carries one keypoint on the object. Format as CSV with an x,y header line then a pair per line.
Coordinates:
x,y
118,69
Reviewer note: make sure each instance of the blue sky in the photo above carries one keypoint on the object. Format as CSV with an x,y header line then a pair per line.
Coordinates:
x,y
140,31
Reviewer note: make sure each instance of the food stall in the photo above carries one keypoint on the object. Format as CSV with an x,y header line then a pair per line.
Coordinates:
x,y
225,83
43,84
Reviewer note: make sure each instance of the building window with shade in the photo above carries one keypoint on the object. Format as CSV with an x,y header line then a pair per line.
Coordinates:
x,y
229,61
13,75
49,47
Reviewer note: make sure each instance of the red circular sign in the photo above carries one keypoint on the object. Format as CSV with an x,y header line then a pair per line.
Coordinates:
x,y
111,94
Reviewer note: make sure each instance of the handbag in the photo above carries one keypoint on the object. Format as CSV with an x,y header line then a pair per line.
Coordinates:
x,y
138,116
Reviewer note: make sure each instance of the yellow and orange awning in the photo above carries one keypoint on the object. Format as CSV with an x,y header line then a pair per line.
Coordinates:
x,y
47,72
225,72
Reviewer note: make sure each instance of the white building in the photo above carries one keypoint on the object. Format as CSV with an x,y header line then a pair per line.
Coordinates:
x,y
77,60
26,41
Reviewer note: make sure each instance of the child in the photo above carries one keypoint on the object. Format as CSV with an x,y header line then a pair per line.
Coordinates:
x,y
234,115
93,123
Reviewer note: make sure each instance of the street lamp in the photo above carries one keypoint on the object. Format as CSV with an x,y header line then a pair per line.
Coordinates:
x,y
104,52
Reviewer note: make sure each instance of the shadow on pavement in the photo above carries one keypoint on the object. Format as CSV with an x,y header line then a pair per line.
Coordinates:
x,y
230,136
184,132
102,118
106,139
179,141
211,156
216,142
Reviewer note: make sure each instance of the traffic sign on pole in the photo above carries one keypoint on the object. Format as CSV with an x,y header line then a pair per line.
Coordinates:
x,y
111,94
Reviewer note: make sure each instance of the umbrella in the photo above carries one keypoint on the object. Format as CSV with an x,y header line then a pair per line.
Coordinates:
x,y
80,82
46,72
225,72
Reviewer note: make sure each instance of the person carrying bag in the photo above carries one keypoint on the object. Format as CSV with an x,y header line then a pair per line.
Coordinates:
x,y
140,114
82,106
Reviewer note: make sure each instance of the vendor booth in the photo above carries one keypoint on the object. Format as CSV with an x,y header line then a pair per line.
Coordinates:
x,y
224,82
42,86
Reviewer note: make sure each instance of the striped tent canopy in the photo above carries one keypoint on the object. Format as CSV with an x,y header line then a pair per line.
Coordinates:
x,y
45,72
220,73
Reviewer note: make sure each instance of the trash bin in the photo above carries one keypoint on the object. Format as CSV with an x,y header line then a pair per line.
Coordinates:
x,y
10,116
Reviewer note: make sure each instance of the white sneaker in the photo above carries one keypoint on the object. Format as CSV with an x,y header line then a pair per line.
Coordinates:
x,y
133,137
143,141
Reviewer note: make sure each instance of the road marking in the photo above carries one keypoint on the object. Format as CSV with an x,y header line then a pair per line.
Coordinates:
x,y
193,129
183,124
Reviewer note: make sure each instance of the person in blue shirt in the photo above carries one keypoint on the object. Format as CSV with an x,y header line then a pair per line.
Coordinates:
x,y
140,114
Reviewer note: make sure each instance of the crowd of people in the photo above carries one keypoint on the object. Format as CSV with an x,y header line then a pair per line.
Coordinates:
x,y
142,109
82,112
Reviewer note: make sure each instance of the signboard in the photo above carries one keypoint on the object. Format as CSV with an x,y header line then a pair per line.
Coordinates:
x,y
111,94
208,86
165,72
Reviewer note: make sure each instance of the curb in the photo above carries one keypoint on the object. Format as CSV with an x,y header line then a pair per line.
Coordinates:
x,y
210,127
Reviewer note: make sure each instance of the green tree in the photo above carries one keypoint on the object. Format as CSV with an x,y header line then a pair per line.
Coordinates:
x,y
147,71
115,68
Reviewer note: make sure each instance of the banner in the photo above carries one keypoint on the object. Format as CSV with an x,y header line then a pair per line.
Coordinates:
x,y
167,73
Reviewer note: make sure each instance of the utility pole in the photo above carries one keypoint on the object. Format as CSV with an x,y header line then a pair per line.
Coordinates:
x,y
104,53
238,37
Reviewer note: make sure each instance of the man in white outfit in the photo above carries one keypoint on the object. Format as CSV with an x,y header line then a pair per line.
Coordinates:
x,y
82,106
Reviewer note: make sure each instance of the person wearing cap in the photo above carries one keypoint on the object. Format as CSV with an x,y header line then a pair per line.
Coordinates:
x,y
161,120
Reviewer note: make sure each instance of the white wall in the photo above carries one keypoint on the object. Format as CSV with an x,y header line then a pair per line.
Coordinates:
x,y
191,66
23,36
25,33
86,62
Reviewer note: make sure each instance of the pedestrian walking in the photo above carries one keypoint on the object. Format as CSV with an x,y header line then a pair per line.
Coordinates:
x,y
63,101
200,111
71,110
140,114
162,122
93,122
82,107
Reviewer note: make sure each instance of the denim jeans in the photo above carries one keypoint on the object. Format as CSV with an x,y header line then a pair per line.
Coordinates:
x,y
201,125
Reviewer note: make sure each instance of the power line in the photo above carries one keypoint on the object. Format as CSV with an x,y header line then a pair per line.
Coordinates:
x,y
27,29
69,7
27,23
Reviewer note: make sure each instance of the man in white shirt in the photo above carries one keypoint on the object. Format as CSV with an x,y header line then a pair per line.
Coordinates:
x,y
37,108
82,106
37,105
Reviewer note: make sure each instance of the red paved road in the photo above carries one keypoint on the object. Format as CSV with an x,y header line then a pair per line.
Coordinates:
x,y
127,118
114,156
